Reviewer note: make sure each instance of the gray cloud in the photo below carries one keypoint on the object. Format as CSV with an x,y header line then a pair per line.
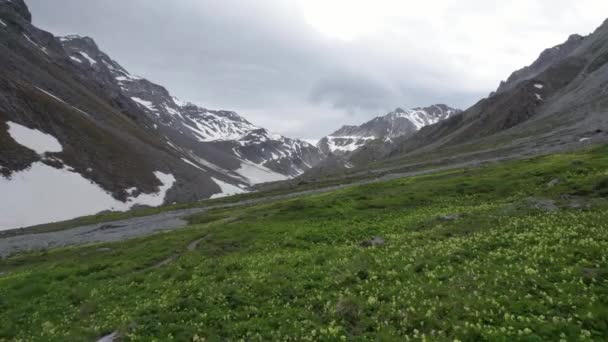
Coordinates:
x,y
263,59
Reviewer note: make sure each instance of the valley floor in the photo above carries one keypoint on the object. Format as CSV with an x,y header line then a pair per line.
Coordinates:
x,y
512,251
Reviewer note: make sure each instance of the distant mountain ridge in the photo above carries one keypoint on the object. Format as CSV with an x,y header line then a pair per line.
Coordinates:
x,y
398,123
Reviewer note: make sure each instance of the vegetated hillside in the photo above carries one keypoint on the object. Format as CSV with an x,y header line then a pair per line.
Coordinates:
x,y
513,251
122,140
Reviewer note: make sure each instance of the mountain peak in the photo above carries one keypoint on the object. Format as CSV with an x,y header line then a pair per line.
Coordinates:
x,y
75,39
19,7
395,124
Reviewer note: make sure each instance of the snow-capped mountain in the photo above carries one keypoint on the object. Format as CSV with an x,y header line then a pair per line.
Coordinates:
x,y
226,130
80,134
395,124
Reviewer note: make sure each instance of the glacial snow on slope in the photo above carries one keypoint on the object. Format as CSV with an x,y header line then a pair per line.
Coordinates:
x,y
258,174
226,189
144,103
3,23
33,139
347,143
420,116
208,126
397,123
85,55
43,194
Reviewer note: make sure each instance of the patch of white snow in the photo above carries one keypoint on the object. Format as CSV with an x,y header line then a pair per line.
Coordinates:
x,y
258,174
88,58
144,103
227,189
33,139
43,194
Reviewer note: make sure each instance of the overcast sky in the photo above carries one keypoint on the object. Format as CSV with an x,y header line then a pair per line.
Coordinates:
x,y
304,68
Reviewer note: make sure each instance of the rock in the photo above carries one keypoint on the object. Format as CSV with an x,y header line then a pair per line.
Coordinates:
x,y
553,182
109,338
542,204
376,241
140,207
449,217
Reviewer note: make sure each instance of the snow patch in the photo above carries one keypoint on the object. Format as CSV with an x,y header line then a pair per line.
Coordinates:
x,y
127,77
43,194
88,58
76,59
312,142
51,95
257,174
43,49
33,139
538,97
227,189
346,143
584,139
3,23
144,103
539,86
192,163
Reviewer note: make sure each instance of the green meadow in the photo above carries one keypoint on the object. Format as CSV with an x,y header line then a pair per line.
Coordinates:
x,y
508,252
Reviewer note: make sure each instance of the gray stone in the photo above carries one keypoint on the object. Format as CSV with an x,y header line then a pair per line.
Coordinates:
x,y
542,204
449,217
376,241
553,182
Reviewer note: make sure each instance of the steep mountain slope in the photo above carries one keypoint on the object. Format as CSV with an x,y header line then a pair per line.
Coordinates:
x,y
198,128
395,124
116,140
558,102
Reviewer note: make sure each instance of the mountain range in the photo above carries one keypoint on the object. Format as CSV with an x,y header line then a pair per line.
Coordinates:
x,y
398,123
122,136
80,134
557,103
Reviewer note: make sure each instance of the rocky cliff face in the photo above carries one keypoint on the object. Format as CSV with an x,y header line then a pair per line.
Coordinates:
x,y
547,58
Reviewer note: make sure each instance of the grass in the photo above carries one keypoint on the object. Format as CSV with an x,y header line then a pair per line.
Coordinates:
x,y
296,269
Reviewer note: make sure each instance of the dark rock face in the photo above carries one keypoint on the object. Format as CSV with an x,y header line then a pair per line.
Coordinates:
x,y
546,59
18,7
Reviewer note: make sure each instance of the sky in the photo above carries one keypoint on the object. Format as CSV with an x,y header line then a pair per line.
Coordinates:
x,y
304,68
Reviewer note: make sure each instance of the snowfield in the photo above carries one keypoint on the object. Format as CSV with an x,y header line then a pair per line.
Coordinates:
x,y
43,194
258,174
227,189
33,139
